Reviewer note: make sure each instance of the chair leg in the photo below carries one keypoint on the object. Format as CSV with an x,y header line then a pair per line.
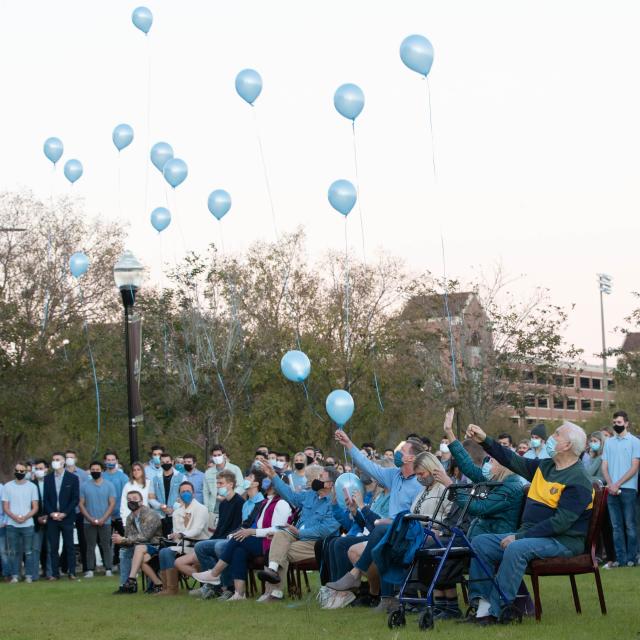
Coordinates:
x,y
251,584
574,590
536,595
603,606
465,593
306,581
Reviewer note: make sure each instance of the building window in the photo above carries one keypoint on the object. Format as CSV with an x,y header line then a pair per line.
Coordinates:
x,y
543,402
569,381
528,376
541,378
585,404
529,401
597,405
558,402
571,404
584,383
611,384
530,421
595,383
557,381
515,420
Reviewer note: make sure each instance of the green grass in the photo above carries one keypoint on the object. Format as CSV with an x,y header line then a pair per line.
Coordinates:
x,y
86,610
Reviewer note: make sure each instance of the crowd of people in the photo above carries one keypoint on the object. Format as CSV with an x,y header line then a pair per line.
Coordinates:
x,y
169,518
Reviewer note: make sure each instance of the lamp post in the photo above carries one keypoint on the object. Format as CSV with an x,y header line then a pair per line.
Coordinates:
x,y
129,273
604,283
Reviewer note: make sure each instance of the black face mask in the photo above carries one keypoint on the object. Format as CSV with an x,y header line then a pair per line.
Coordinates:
x,y
133,506
310,460
188,468
19,475
298,465
96,474
166,466
317,485
618,428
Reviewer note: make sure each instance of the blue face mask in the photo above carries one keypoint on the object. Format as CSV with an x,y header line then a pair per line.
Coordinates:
x,y
595,446
487,474
397,459
186,497
179,468
550,446
266,483
246,484
155,459
110,465
222,491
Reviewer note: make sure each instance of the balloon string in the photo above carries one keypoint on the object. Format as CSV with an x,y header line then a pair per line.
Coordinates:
x,y
346,300
375,380
47,295
218,374
119,190
266,174
355,162
433,146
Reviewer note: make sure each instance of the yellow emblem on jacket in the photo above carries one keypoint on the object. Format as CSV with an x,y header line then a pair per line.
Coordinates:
x,y
545,492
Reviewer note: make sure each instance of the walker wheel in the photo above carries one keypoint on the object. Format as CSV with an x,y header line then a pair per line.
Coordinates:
x,y
425,621
396,619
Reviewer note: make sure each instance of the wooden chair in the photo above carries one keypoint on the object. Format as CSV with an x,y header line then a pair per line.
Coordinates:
x,y
298,572
576,565
256,564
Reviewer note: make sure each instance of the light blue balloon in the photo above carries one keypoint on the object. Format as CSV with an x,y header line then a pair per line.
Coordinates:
x,y
73,170
161,153
342,196
53,149
295,366
122,136
160,218
349,100
78,264
340,406
249,85
175,172
142,18
351,483
219,203
417,53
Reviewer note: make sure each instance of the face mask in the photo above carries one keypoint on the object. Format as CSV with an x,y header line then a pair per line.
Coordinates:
x,y
425,482
186,497
70,462
188,468
166,466
317,485
133,505
278,464
299,465
40,473
536,442
310,460
19,475
96,474
618,428
246,485
222,491
56,465
487,474
217,459
444,448
594,446
179,468
266,483
110,465
28,475
397,459
551,446
155,459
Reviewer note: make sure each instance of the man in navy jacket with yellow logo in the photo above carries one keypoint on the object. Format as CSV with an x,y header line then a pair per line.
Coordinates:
x,y
555,521
61,497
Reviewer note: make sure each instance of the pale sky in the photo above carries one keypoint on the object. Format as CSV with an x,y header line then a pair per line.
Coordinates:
x,y
535,119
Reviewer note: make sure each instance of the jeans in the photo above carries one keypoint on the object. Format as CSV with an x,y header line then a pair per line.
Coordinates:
x,y
126,555
336,554
208,553
54,529
167,558
237,554
513,562
622,512
19,542
39,556
4,554
372,541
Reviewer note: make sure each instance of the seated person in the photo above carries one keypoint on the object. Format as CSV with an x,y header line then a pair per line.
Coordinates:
x,y
297,543
555,521
207,552
142,533
251,541
190,522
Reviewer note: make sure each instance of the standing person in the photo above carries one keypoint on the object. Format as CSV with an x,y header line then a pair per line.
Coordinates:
x,y
97,502
221,462
61,497
298,479
4,554
282,466
71,465
153,468
506,440
193,475
445,454
620,463
523,447
118,479
20,504
40,470
593,461
137,482
537,449
163,494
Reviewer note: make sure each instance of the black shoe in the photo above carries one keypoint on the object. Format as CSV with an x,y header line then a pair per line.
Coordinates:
x,y
154,588
126,588
366,600
486,621
269,575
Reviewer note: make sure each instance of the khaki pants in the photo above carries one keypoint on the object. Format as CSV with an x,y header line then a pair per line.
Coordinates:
x,y
285,549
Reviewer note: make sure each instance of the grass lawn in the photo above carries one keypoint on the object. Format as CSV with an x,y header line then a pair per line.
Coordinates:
x,y
86,610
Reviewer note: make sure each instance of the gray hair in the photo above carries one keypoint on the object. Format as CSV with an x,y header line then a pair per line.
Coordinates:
x,y
332,472
577,437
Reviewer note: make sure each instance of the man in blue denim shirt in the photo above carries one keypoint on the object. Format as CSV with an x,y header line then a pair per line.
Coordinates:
x,y
315,522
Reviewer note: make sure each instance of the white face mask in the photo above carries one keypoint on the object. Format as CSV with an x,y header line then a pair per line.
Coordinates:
x,y
278,464
40,473
56,465
444,448
70,462
217,459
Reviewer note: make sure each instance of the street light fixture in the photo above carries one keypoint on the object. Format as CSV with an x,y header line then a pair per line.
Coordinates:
x,y
128,273
604,284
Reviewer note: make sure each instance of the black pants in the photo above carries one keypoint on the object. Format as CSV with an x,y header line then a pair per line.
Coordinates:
x,y
117,526
167,526
82,544
54,529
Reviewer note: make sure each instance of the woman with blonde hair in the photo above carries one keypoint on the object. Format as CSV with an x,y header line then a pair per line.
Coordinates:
x,y
137,482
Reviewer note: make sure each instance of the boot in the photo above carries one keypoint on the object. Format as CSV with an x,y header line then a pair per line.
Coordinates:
x,y
170,582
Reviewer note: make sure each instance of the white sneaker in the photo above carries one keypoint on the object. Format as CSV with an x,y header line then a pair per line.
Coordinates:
x,y
236,596
611,565
28,579
14,580
88,574
108,573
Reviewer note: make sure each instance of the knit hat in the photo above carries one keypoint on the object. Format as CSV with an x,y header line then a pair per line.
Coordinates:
x,y
539,430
